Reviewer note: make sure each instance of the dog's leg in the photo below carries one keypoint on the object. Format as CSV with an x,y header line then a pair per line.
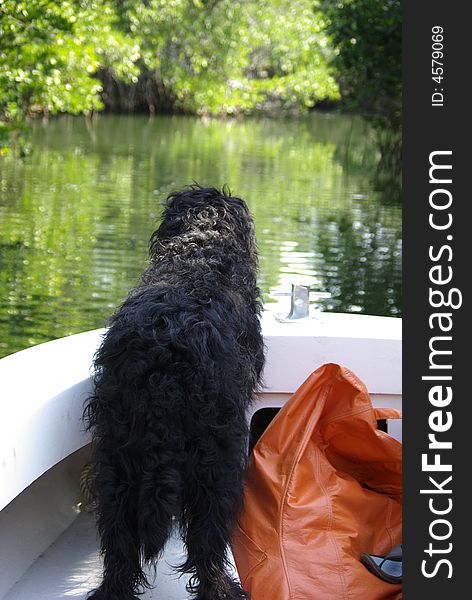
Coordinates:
x,y
117,524
138,493
160,491
212,502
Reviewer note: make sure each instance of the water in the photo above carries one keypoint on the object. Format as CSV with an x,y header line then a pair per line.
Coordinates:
x,y
76,213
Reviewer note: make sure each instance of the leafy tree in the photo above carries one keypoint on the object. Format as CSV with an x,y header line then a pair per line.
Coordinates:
x,y
49,52
195,56
225,56
367,37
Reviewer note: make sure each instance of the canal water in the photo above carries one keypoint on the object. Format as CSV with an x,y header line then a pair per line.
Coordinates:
x,y
77,211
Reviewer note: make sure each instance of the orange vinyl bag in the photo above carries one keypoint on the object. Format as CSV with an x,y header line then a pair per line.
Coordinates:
x,y
323,486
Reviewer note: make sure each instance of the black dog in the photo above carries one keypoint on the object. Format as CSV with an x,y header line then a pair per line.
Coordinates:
x,y
175,374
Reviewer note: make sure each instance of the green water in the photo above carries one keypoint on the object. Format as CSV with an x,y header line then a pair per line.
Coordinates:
x,y
76,213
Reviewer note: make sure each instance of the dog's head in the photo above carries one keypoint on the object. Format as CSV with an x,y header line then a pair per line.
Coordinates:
x,y
207,216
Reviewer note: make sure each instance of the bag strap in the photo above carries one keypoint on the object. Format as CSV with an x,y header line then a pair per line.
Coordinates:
x,y
387,413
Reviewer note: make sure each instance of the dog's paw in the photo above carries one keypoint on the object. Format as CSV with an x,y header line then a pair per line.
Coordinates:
x,y
101,594
235,592
230,591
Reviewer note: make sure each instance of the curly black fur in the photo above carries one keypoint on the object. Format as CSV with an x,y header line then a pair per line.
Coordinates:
x,y
175,374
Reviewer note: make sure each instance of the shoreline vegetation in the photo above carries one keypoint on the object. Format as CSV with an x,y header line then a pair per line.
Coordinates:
x,y
198,57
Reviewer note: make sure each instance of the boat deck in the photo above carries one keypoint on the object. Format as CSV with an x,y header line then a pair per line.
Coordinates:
x,y
46,550
71,567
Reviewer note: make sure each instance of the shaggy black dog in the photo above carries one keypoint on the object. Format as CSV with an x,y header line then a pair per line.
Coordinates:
x,y
175,374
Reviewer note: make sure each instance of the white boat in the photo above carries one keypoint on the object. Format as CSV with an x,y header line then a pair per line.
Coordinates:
x,y
48,544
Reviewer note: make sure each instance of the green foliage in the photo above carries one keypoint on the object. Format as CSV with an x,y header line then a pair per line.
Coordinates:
x,y
367,40
205,57
198,56
367,36
230,56
49,52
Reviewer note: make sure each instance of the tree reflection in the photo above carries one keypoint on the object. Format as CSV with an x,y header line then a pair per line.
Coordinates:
x,y
76,215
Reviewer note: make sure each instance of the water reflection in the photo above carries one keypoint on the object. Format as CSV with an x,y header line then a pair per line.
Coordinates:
x,y
76,215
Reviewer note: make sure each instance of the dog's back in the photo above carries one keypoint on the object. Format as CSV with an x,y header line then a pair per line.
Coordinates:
x,y
175,374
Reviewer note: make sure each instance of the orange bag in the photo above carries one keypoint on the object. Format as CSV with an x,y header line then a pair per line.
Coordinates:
x,y
323,486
